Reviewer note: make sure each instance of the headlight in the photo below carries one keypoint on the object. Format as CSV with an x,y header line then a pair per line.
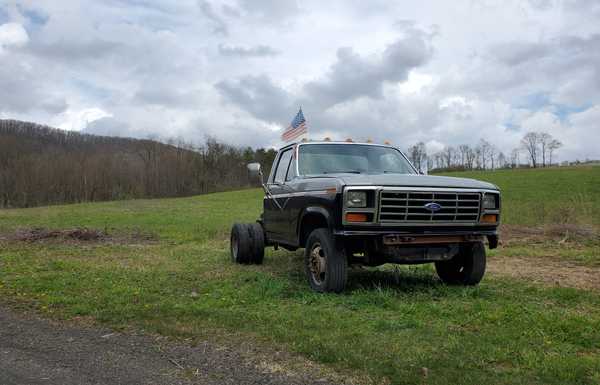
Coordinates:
x,y
490,201
356,199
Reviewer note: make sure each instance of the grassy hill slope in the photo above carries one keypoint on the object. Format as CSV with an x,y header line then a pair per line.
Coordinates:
x,y
165,268
541,196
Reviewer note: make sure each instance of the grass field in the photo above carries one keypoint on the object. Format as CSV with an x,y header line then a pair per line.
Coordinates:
x,y
167,270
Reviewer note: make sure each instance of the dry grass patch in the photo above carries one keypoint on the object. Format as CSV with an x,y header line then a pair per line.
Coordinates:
x,y
560,233
548,271
78,235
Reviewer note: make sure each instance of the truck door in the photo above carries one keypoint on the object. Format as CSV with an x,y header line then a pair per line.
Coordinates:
x,y
275,211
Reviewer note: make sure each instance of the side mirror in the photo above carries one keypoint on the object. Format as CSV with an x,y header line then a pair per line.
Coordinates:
x,y
255,172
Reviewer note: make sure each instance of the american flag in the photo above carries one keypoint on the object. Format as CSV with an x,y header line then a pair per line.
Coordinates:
x,y
296,128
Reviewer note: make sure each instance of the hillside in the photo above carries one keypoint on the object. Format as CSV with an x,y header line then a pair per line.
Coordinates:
x,y
40,165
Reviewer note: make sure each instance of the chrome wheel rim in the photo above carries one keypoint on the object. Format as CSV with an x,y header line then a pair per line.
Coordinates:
x,y
317,263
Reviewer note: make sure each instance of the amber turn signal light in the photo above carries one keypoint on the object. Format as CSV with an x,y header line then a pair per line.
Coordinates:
x,y
489,218
356,217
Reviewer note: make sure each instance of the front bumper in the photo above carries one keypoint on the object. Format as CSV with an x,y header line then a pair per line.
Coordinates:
x,y
412,235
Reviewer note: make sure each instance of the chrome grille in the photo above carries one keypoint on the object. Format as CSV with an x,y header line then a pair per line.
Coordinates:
x,y
409,206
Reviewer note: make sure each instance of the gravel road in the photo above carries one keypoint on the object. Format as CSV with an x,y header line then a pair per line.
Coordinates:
x,y
36,351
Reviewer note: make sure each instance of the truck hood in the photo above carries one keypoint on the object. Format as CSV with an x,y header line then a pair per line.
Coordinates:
x,y
412,180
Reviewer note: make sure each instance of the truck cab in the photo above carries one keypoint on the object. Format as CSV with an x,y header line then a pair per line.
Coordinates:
x,y
351,203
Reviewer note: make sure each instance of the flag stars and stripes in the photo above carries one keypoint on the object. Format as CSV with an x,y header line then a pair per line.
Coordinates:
x,y
297,128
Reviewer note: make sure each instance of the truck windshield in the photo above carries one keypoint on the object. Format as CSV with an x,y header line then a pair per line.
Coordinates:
x,y
317,159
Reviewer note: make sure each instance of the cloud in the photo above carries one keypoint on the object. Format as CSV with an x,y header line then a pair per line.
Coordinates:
x,y
23,90
272,11
581,137
258,95
553,66
447,73
255,51
354,75
219,25
108,126
12,35
77,120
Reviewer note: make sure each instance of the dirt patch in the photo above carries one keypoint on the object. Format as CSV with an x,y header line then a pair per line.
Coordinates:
x,y
80,234
547,271
560,233
76,235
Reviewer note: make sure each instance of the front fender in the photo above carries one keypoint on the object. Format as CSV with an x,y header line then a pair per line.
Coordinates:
x,y
316,211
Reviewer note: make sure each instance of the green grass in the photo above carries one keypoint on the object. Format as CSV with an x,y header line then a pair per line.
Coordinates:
x,y
386,327
546,196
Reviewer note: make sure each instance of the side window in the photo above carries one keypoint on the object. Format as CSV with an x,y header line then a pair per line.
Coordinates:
x,y
291,170
282,166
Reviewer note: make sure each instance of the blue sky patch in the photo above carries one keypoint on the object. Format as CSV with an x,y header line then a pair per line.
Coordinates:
x,y
35,17
563,111
541,100
535,101
90,90
3,16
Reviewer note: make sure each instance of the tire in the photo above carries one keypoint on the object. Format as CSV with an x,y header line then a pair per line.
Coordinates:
x,y
466,268
240,243
325,265
258,239
247,243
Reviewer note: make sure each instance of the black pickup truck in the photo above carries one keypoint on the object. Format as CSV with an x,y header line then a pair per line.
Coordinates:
x,y
351,203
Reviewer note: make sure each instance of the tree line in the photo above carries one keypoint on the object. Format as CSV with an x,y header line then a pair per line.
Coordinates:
x,y
536,149
40,165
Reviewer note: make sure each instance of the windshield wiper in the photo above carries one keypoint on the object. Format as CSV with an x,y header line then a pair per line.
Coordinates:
x,y
342,172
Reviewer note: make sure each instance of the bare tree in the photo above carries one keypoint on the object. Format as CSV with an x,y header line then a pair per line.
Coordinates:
x,y
544,140
430,163
469,158
463,150
514,158
501,160
439,160
418,156
448,156
553,146
530,143
484,151
492,156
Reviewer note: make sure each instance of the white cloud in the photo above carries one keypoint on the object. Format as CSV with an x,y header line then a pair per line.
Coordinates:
x,y
77,120
12,35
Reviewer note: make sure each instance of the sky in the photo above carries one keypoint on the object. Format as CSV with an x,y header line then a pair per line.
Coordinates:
x,y
440,72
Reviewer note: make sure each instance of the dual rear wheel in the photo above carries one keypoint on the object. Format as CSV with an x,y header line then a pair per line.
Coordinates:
x,y
247,243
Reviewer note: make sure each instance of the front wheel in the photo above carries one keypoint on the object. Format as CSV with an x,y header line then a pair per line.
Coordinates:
x,y
326,266
466,268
